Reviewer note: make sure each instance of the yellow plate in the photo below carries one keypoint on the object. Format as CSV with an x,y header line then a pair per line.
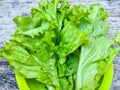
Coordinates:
x,y
23,83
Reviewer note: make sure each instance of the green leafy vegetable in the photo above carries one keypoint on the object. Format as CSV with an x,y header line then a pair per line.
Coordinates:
x,y
62,47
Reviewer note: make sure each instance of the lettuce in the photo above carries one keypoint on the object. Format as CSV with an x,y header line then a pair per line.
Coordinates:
x,y
62,47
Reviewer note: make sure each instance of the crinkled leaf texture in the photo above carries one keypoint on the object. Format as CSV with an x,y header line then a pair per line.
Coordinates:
x,y
62,47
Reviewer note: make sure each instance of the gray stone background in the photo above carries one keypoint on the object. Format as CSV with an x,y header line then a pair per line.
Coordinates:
x,y
12,8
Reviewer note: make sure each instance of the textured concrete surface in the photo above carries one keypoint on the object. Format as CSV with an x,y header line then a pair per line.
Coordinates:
x,y
12,8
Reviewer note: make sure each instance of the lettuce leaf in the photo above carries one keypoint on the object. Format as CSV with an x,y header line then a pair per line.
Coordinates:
x,y
62,46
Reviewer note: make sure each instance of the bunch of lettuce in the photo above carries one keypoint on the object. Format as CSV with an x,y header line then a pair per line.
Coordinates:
x,y
62,46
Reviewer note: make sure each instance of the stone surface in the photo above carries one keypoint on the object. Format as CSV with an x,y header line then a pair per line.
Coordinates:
x,y
12,8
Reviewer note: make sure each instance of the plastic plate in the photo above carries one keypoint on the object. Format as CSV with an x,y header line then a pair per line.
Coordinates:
x,y
31,84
